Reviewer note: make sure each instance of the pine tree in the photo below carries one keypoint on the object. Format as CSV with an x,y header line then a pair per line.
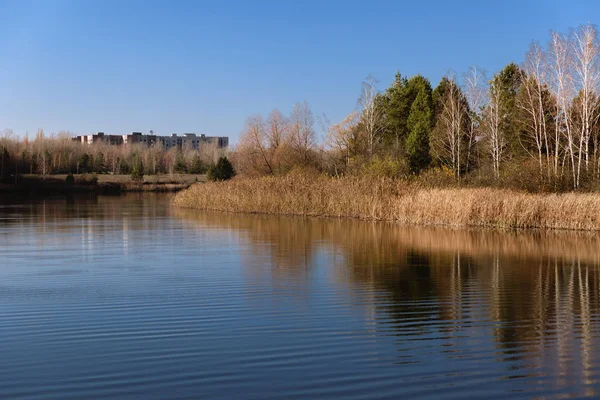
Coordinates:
x,y
419,124
222,171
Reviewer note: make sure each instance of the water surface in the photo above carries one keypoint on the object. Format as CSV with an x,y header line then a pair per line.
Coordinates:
x,y
123,297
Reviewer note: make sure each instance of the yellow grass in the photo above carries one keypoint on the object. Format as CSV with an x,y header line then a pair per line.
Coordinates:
x,y
395,201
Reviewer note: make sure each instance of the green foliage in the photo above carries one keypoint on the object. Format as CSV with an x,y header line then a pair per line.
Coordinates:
x,y
180,166
197,166
398,101
137,170
450,107
508,81
99,165
222,171
419,123
70,179
5,163
88,180
84,163
386,166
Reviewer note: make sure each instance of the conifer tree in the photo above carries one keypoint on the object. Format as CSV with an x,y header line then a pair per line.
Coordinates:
x,y
419,124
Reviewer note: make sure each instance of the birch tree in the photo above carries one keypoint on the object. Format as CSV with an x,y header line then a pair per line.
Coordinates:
x,y
494,135
450,135
476,93
561,86
533,103
372,115
587,77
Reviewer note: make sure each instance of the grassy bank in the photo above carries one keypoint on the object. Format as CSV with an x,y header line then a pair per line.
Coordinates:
x,y
108,183
395,201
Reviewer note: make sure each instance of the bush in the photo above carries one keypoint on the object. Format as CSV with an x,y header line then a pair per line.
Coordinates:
x,y
385,167
137,174
441,177
197,167
88,180
222,171
70,179
137,171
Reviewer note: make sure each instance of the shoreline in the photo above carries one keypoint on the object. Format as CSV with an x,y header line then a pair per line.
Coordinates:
x,y
99,184
394,201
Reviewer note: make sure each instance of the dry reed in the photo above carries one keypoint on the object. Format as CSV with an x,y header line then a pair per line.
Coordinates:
x,y
395,201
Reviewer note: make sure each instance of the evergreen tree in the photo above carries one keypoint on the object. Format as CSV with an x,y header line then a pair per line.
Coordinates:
x,y
397,103
507,82
222,171
419,124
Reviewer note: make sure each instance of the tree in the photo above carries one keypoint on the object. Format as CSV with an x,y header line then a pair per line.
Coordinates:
x,y
277,134
302,133
343,137
536,105
494,134
371,113
396,107
476,93
450,138
222,171
587,77
561,86
419,124
137,169
254,145
197,166
507,83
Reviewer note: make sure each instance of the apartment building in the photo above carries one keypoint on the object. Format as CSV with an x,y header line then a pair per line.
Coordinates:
x,y
187,140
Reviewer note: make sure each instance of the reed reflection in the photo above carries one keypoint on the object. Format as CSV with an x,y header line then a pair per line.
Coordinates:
x,y
534,296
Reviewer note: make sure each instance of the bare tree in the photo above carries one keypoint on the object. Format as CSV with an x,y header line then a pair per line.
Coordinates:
x,y
532,102
277,129
254,143
476,92
587,78
561,86
342,137
495,137
450,134
371,115
302,132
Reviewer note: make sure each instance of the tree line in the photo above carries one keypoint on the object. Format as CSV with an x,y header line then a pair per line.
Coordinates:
x,y
60,155
534,125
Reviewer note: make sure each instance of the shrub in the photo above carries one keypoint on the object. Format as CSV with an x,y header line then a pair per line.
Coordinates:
x,y
385,167
137,171
70,179
197,167
88,180
222,171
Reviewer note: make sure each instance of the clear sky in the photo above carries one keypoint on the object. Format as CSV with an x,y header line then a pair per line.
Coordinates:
x,y
204,66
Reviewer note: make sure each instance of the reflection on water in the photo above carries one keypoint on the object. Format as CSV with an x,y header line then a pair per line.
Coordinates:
x,y
125,297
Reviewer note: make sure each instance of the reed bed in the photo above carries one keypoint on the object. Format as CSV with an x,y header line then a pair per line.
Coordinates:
x,y
383,199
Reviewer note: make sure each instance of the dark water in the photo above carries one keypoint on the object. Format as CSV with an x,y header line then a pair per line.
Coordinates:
x,y
124,298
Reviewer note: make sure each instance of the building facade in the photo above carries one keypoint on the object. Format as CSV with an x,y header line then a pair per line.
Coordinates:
x,y
187,140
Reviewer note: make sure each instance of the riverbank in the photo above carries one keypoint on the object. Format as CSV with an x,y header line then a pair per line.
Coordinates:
x,y
382,199
106,184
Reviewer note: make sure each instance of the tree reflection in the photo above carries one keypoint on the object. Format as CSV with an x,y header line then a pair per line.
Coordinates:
x,y
536,294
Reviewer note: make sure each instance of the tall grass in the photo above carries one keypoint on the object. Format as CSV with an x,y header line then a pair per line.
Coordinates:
x,y
383,199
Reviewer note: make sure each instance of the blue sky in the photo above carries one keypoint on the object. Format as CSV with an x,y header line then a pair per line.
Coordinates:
x,y
204,66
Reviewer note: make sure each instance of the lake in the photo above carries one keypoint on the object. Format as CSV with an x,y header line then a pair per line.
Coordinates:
x,y
127,298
